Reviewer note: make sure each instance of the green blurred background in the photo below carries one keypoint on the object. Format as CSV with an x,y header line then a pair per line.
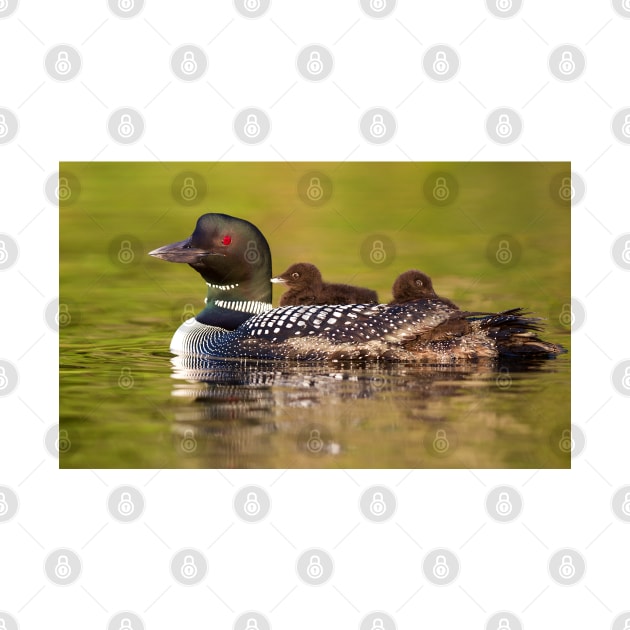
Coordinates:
x,y
447,219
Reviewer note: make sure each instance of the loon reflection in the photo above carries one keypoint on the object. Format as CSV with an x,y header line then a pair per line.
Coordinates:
x,y
231,411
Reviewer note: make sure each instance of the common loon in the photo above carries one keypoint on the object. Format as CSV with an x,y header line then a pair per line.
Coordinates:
x,y
239,321
414,285
307,287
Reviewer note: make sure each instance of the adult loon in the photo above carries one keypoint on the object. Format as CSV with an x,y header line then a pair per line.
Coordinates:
x,y
239,321
306,286
413,285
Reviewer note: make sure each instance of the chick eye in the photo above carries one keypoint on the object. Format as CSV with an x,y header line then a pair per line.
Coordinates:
x,y
295,275
227,240
419,283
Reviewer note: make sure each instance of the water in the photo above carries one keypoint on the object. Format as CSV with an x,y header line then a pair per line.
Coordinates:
x,y
226,414
126,402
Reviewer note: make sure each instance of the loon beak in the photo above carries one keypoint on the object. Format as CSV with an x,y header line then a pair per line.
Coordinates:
x,y
278,280
182,252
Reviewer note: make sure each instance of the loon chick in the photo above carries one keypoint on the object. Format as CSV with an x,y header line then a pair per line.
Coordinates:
x,y
233,258
414,285
307,287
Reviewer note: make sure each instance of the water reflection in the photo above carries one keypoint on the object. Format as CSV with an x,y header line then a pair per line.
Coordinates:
x,y
263,415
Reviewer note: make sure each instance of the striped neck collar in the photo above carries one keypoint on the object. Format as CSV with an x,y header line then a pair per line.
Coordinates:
x,y
222,287
244,306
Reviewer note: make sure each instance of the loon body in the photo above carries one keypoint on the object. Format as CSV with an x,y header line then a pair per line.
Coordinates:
x,y
239,321
306,286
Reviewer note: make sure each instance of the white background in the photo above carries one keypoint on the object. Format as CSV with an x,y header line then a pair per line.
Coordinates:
x,y
252,63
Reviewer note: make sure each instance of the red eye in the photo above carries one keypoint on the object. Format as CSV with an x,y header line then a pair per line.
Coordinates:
x,y
227,240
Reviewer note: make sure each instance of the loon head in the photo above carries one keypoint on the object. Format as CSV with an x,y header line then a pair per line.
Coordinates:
x,y
233,257
226,251
412,285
